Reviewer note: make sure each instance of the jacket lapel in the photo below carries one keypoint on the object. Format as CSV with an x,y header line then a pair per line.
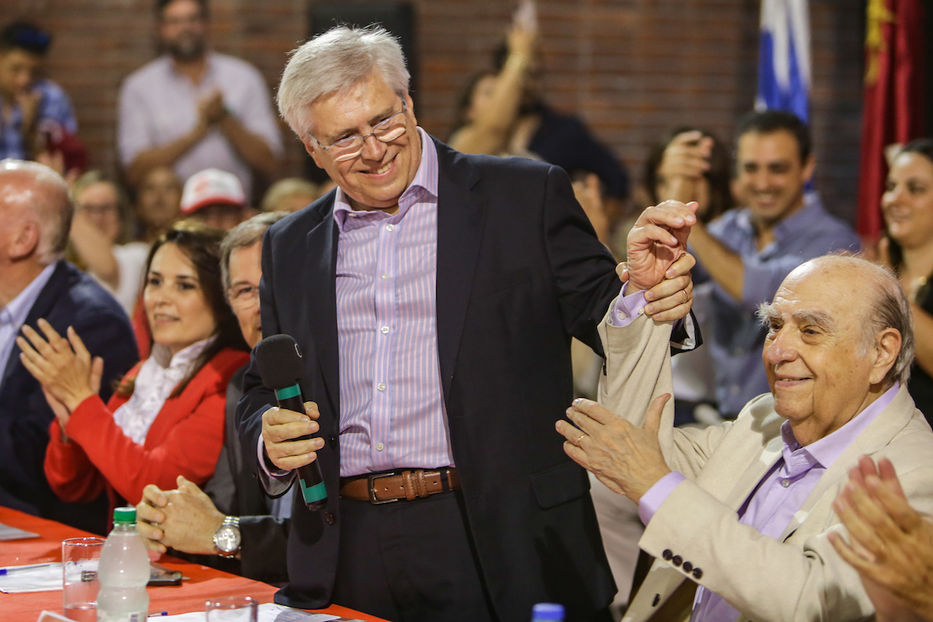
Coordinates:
x,y
461,210
320,316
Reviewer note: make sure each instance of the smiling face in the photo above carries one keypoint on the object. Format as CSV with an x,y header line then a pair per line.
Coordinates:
x,y
822,368
771,176
907,202
377,177
178,312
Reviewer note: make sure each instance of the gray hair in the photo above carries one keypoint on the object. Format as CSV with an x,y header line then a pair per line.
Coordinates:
x,y
46,201
890,309
887,308
244,234
334,61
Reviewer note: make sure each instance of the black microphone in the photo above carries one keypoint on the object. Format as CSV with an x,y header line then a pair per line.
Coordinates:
x,y
279,361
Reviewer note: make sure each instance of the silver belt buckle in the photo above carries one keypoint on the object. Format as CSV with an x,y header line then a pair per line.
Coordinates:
x,y
371,479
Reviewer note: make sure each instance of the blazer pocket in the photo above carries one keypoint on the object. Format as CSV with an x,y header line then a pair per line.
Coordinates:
x,y
558,484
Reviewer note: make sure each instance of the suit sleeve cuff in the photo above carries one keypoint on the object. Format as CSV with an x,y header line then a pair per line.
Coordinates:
x,y
656,495
627,307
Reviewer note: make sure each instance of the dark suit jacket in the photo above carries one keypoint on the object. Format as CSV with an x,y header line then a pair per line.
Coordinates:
x,y
70,298
236,491
519,271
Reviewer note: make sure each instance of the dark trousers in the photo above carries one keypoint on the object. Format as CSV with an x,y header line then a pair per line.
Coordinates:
x,y
410,561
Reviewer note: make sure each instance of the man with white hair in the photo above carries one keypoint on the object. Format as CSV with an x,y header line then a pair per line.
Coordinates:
x,y
433,296
740,516
36,286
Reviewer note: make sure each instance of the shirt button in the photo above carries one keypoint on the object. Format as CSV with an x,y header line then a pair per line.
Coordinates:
x,y
785,483
380,446
381,386
383,276
390,227
384,330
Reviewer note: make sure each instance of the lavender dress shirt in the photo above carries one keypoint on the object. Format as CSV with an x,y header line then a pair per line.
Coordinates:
x,y
780,493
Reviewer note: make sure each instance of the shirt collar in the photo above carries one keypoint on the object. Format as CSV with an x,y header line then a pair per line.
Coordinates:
x,y
423,186
800,218
181,360
16,312
826,450
789,225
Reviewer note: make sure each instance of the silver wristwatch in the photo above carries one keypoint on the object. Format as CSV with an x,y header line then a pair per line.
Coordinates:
x,y
227,537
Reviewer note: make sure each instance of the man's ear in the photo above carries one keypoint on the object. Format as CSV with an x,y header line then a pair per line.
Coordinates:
x,y
411,107
887,347
25,240
311,150
808,166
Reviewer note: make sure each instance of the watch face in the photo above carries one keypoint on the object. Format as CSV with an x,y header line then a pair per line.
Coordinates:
x,y
227,539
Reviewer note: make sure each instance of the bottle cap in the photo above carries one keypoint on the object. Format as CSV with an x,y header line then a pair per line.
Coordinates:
x,y
124,515
547,611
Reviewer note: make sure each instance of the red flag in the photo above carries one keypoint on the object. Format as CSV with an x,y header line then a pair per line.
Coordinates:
x,y
892,110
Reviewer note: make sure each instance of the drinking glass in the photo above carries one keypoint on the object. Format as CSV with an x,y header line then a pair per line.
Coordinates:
x,y
80,557
232,609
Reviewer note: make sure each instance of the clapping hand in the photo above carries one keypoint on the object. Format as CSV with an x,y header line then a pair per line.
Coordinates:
x,y
64,367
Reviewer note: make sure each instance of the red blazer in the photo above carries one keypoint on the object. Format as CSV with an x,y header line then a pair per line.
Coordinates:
x,y
185,439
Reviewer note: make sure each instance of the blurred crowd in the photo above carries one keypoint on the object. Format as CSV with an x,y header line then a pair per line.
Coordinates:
x,y
129,303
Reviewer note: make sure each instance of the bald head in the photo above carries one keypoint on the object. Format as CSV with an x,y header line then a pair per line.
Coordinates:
x,y
884,303
34,197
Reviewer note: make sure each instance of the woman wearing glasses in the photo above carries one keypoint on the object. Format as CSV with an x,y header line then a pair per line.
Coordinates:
x,y
166,417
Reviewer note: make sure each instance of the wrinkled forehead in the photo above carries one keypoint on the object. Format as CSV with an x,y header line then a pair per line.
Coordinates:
x,y
349,108
830,290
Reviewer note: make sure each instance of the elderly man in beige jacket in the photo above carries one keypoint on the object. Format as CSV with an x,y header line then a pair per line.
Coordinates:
x,y
738,515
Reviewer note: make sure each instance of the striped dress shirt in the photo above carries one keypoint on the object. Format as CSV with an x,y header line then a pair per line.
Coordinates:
x,y
392,412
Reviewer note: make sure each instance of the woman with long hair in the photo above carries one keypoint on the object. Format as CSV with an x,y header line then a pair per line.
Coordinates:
x,y
166,418
907,248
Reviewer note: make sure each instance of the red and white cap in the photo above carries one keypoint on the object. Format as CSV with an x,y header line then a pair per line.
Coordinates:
x,y
211,187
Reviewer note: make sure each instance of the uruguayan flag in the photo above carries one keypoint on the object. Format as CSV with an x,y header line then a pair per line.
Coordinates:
x,y
784,57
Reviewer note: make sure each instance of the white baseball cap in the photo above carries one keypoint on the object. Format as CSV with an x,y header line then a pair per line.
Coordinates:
x,y
211,187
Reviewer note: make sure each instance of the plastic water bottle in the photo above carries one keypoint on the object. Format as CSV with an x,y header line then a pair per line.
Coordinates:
x,y
123,572
547,612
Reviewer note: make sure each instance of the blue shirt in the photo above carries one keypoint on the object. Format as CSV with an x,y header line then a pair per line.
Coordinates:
x,y
54,108
738,336
13,315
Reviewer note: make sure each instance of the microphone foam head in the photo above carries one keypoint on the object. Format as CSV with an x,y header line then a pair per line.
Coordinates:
x,y
279,361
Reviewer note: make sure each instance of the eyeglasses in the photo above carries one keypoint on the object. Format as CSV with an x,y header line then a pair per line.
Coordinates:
x,y
349,147
243,296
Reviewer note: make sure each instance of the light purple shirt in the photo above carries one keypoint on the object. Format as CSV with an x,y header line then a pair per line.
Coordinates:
x,y
158,105
392,412
777,497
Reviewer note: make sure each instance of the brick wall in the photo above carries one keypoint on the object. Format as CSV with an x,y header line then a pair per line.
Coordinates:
x,y
631,68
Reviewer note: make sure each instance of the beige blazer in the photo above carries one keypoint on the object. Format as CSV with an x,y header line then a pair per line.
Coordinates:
x,y
800,576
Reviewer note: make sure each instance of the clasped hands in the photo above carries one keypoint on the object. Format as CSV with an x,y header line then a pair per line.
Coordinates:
x,y
624,457
184,519
64,367
658,261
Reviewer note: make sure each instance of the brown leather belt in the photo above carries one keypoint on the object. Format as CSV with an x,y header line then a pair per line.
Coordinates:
x,y
408,484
